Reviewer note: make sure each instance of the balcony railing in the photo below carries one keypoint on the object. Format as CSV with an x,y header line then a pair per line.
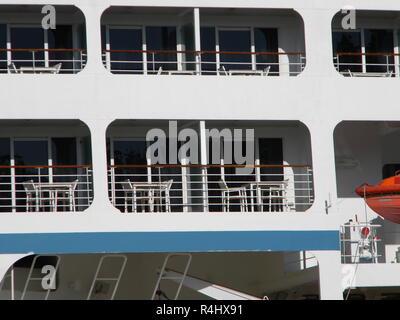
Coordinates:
x,y
359,243
41,61
369,64
204,188
45,188
167,62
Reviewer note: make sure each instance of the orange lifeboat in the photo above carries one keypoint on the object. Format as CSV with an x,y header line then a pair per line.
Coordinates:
x,y
384,198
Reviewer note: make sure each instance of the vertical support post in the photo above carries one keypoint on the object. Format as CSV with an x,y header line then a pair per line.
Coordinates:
x,y
180,61
13,179
46,55
330,275
108,46
12,284
253,50
9,53
396,52
144,48
197,39
203,156
363,56
185,203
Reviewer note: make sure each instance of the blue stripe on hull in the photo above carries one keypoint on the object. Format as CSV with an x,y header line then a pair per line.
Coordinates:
x,y
195,241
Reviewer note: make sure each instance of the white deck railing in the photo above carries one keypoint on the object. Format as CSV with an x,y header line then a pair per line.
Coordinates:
x,y
359,243
222,63
217,188
388,66
40,61
45,188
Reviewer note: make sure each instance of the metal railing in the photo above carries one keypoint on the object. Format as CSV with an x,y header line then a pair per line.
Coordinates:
x,y
210,188
70,61
356,64
359,243
169,62
45,188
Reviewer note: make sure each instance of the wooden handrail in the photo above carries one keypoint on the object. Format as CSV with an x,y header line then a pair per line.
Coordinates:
x,y
210,165
366,54
47,167
203,52
42,50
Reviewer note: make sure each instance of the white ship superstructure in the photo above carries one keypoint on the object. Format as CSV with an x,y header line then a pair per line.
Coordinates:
x,y
311,86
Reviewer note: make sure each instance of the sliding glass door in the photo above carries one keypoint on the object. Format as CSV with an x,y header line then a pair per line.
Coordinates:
x,y
237,41
25,37
124,47
38,159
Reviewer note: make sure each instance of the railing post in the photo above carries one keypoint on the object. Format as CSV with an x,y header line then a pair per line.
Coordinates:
x,y
387,64
112,180
33,61
204,160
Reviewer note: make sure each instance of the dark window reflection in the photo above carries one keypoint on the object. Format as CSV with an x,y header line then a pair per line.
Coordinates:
x,y
3,45
64,154
161,38
28,155
208,64
126,39
379,41
271,153
347,42
61,38
235,41
27,38
266,40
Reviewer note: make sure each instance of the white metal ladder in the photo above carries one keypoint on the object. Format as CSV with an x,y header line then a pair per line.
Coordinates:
x,y
117,279
177,278
29,279
9,274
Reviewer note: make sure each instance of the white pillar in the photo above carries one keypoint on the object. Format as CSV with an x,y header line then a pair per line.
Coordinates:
x,y
98,128
330,274
93,13
197,40
323,165
319,51
203,156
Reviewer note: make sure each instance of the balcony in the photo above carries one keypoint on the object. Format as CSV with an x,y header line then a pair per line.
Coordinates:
x,y
45,166
365,152
28,48
371,48
273,176
219,42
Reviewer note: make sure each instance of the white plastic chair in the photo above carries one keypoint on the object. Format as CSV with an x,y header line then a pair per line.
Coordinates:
x,y
266,71
12,68
142,197
222,71
31,195
165,187
57,68
233,193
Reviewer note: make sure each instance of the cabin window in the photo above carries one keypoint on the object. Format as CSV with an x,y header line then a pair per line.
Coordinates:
x,y
347,42
161,38
379,41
